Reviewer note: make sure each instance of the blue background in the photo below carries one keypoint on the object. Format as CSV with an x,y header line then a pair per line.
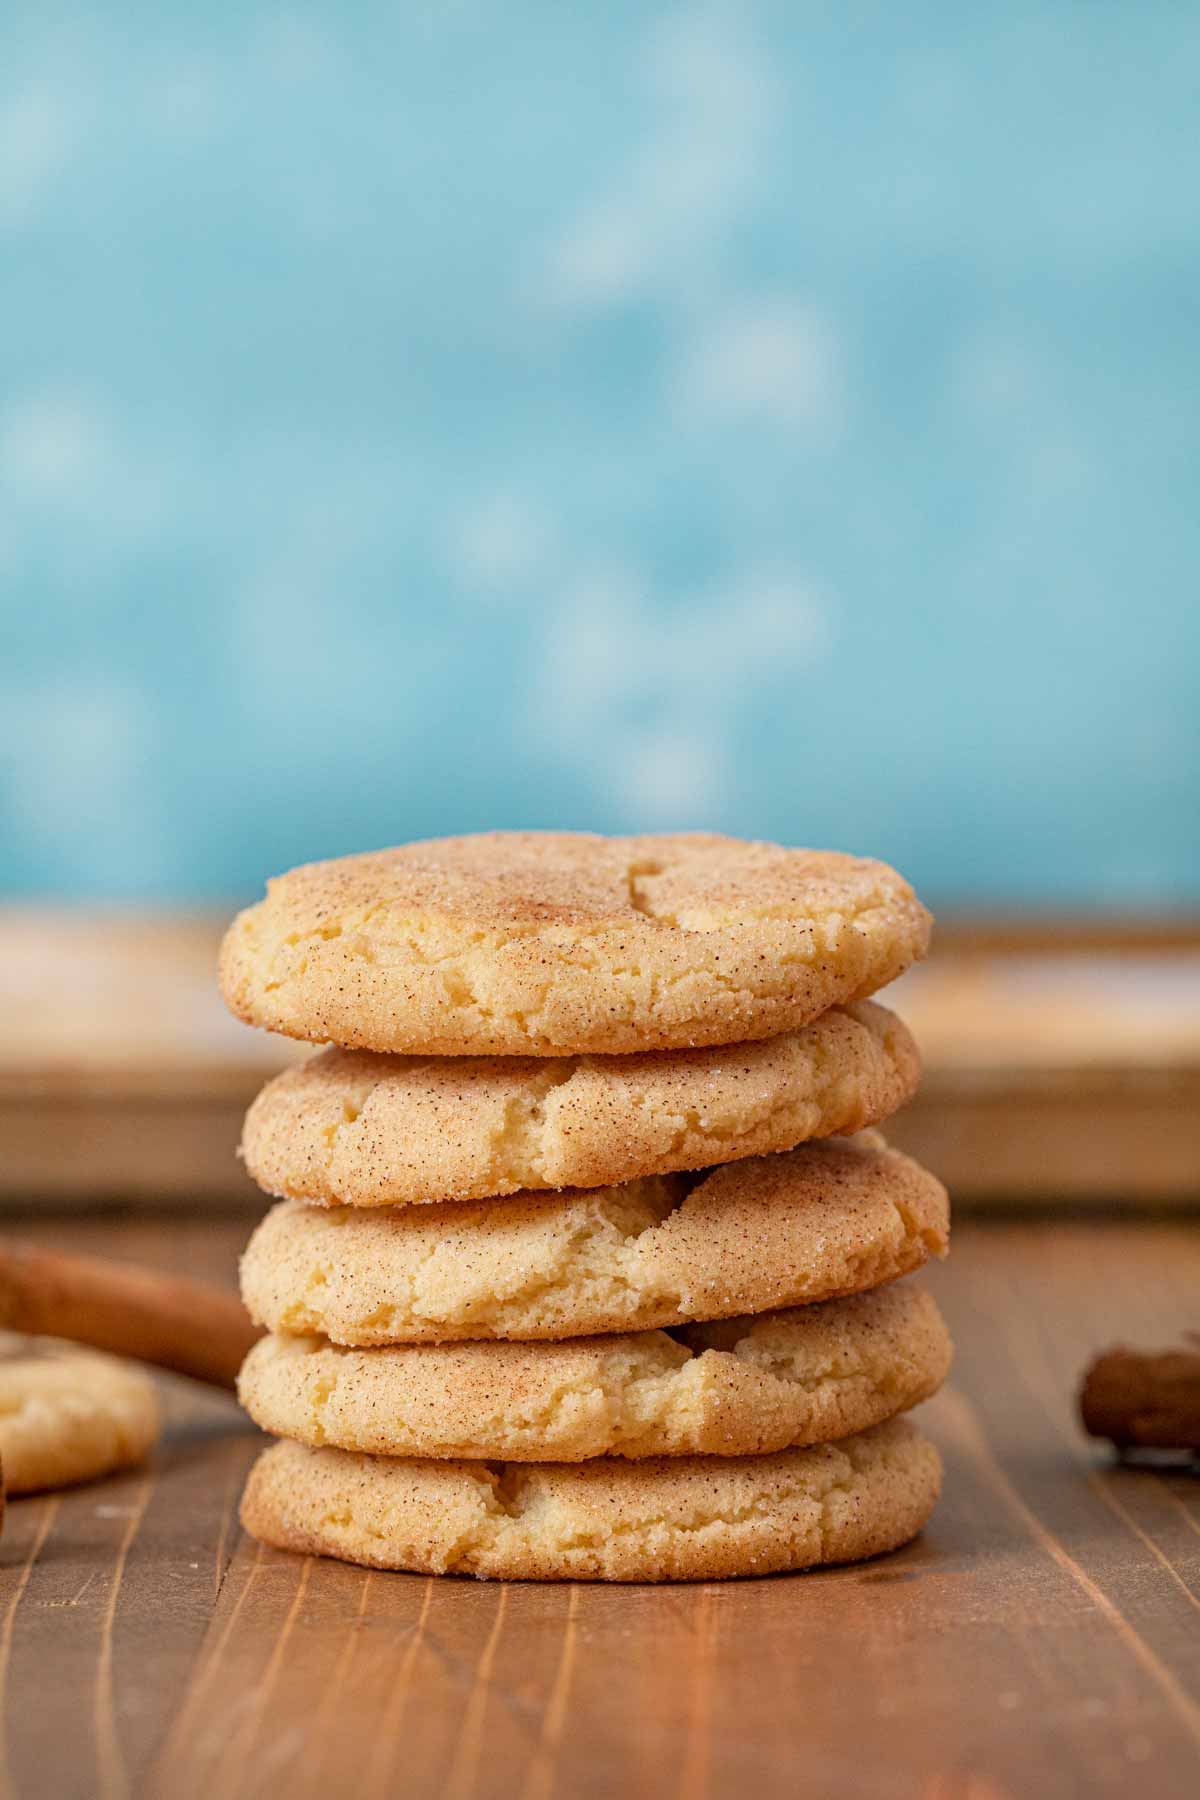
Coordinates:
x,y
774,417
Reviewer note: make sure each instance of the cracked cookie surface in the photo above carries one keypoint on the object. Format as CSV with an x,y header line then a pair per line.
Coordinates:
x,y
360,1129
742,1388
556,943
836,1217
668,1519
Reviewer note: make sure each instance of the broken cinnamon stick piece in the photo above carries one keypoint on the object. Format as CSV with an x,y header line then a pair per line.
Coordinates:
x,y
1144,1399
186,1326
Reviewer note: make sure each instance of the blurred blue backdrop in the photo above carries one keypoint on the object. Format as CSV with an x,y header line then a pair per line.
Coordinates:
x,y
775,417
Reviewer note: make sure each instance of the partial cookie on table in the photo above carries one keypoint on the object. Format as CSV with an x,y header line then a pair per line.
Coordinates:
x,y
560,943
744,1387
361,1129
669,1519
69,1415
831,1218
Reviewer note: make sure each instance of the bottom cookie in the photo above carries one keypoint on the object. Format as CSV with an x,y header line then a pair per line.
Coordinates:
x,y
665,1519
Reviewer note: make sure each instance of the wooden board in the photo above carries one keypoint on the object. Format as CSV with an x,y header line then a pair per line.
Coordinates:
x,y
1056,1069
1042,1639
122,1076
1058,1063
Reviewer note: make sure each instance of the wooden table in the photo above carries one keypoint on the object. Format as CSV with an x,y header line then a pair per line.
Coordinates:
x,y
1042,1639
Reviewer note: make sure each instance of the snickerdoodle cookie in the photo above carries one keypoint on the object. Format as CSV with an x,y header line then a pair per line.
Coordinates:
x,y
557,943
830,1218
67,1415
360,1129
740,1388
668,1519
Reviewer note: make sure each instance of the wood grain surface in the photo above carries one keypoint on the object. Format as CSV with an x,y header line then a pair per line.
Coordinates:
x,y
1042,1639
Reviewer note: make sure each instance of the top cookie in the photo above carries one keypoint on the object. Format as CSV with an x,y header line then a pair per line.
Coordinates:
x,y
561,943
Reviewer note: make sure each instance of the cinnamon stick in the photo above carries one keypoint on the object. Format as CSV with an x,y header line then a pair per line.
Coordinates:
x,y
1144,1399
187,1326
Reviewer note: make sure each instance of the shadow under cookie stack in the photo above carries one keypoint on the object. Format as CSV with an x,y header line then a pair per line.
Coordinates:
x,y
586,1260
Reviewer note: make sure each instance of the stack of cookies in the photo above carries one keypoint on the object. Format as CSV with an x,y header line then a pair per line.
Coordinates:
x,y
583,1259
